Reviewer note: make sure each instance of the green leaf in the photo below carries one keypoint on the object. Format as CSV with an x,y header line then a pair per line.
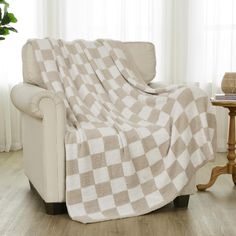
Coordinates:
x,y
4,31
8,18
12,17
12,29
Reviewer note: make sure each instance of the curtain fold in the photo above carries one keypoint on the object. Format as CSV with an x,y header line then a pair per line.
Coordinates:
x,y
10,70
10,129
211,50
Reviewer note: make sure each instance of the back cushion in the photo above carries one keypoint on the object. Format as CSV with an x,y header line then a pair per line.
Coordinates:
x,y
31,72
142,53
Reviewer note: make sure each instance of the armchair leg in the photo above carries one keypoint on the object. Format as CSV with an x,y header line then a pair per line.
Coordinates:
x,y
51,208
181,201
55,208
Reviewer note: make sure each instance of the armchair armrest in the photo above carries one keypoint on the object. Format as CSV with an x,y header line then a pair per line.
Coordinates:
x,y
27,98
43,132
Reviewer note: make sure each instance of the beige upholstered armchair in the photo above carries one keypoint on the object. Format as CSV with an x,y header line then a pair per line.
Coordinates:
x,y
43,124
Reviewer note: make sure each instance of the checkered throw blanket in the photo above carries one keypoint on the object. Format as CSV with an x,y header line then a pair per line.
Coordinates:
x,y
130,149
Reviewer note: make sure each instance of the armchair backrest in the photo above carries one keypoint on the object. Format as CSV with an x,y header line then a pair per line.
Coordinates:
x,y
143,54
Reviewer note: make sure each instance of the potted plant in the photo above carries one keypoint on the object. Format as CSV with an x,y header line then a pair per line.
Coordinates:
x,y
6,18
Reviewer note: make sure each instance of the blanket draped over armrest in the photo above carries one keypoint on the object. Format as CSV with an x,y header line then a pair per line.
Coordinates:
x,y
130,149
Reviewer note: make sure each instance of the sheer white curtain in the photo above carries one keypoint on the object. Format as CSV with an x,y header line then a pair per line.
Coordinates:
x,y
202,48
10,70
211,50
129,20
195,42
212,40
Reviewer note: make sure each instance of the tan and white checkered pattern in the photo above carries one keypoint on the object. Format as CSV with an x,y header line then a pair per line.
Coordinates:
x,y
130,149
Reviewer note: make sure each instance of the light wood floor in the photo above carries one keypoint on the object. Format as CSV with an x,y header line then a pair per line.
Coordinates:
x,y
211,213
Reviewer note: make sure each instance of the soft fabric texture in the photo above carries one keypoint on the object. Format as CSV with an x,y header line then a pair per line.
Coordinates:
x,y
43,132
130,149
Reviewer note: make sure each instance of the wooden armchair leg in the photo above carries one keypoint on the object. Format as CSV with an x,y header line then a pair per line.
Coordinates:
x,y
55,208
51,208
181,201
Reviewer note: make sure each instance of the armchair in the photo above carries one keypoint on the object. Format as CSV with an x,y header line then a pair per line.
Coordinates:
x,y
43,125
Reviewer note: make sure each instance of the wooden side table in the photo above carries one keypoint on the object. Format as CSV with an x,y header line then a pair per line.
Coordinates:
x,y
230,167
